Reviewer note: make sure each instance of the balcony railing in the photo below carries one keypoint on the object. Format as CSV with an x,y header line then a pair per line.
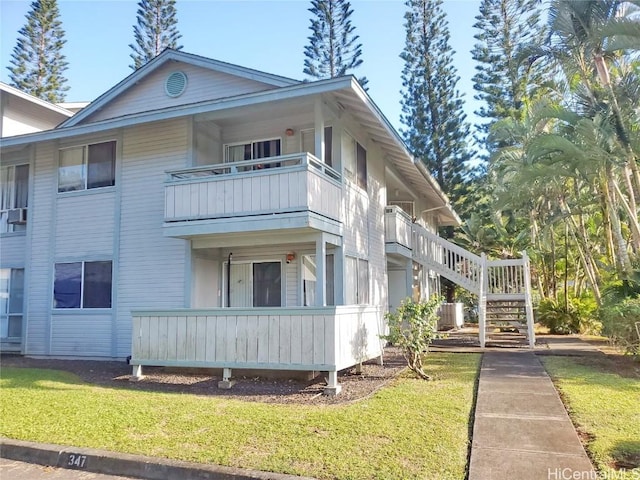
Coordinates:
x,y
314,338
266,186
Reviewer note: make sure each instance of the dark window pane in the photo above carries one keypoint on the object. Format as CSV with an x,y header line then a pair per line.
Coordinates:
x,y
267,279
329,281
16,295
328,146
22,186
102,165
66,288
361,160
97,285
268,148
14,328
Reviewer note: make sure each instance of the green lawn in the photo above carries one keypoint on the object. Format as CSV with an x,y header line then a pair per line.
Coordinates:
x,y
410,429
606,406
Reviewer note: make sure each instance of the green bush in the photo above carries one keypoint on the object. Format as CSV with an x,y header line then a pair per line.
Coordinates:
x,y
412,327
577,317
557,318
621,322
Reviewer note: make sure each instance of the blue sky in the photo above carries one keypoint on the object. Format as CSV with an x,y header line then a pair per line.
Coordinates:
x,y
267,35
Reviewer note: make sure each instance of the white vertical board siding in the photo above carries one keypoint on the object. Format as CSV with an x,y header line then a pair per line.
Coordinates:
x,y
12,253
152,267
41,217
202,84
327,338
86,335
85,225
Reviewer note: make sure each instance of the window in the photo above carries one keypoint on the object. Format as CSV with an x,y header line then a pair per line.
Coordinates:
x,y
11,302
267,284
252,151
86,167
309,144
309,280
357,288
354,158
82,285
14,194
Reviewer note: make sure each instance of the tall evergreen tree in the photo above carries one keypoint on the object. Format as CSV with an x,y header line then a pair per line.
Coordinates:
x,y
506,75
156,29
38,64
333,50
432,108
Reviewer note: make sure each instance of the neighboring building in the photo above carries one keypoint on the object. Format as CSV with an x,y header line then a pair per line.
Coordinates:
x,y
23,113
205,214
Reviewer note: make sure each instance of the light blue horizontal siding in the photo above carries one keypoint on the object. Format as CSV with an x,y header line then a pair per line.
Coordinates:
x,y
85,225
152,267
81,335
41,216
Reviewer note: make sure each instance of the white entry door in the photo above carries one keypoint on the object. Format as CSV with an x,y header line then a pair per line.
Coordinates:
x,y
240,287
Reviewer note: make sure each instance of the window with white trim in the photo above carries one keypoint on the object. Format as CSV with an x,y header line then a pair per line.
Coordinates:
x,y
14,195
82,285
357,278
11,302
87,166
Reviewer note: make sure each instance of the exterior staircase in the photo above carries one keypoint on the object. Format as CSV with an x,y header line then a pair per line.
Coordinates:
x,y
503,287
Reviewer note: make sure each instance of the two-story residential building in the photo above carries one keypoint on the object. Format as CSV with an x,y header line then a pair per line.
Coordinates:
x,y
205,214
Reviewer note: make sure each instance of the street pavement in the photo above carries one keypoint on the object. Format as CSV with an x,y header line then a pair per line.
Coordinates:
x,y
14,470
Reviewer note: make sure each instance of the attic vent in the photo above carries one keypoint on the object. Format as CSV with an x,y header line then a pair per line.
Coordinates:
x,y
175,84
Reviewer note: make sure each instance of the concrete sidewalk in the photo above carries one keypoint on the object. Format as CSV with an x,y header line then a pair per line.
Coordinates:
x,y
521,429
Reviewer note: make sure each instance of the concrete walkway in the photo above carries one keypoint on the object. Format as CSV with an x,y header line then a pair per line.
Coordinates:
x,y
521,429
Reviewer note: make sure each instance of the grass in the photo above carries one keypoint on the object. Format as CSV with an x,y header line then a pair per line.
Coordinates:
x,y
411,429
602,395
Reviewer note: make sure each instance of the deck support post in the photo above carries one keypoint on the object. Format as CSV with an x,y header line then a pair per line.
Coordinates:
x,y
333,387
319,130
226,383
136,374
321,271
482,300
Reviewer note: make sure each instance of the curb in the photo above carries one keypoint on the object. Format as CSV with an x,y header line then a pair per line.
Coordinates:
x,y
113,463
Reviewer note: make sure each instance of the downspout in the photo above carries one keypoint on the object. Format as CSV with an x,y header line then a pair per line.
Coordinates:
x,y
229,280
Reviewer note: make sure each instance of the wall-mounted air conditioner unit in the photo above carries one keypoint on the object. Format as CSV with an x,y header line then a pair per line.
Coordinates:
x,y
17,216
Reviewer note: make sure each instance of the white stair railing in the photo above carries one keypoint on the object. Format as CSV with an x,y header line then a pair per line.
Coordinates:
x,y
447,259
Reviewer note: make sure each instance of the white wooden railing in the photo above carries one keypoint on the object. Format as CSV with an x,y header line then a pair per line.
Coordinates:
x,y
283,184
313,338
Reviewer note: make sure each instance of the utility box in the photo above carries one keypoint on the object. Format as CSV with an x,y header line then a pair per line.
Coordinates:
x,y
451,315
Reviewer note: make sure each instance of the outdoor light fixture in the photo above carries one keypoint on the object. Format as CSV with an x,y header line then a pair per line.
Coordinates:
x,y
289,132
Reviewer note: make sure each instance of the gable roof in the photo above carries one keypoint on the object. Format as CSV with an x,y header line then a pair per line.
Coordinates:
x,y
8,89
348,94
170,55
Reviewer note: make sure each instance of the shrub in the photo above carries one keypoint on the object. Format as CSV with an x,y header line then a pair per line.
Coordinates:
x,y
557,318
577,317
412,327
621,322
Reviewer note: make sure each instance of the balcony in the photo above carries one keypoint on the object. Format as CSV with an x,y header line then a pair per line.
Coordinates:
x,y
276,193
397,233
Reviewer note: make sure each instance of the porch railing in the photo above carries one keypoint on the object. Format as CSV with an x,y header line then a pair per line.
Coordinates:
x,y
287,183
397,225
314,338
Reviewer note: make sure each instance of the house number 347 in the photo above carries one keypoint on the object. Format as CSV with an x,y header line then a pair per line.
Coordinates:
x,y
77,461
